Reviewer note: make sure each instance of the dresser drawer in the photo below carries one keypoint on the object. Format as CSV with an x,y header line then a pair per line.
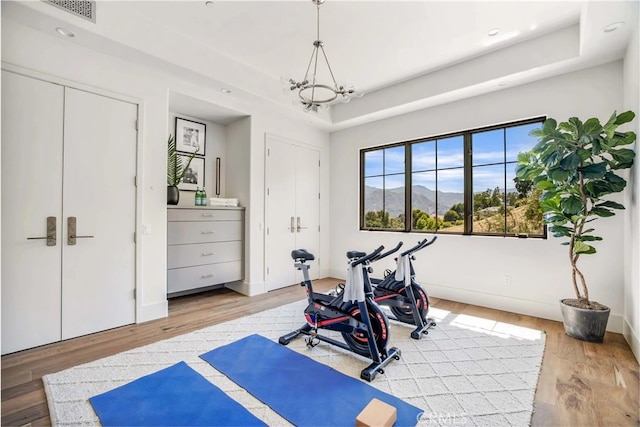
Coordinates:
x,y
203,253
204,215
203,232
181,279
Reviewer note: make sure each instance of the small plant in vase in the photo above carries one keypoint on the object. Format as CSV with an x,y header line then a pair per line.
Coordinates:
x,y
576,165
175,171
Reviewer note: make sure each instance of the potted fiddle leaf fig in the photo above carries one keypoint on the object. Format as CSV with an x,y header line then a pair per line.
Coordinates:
x,y
175,171
576,166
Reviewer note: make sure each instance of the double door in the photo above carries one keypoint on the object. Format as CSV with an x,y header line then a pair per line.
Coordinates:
x,y
292,209
68,212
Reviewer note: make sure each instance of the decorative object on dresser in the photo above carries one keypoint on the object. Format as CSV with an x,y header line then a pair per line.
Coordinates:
x,y
204,248
176,171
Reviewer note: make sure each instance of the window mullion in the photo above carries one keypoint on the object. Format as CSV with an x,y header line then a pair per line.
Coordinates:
x,y
468,184
408,187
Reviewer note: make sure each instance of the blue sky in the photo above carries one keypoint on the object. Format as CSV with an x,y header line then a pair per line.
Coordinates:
x,y
488,147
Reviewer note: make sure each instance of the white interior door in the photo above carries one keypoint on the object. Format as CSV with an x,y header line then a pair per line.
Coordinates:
x,y
292,209
307,180
280,213
31,191
99,192
65,153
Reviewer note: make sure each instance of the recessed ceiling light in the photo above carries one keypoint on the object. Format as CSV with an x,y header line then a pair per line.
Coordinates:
x,y
612,27
493,32
65,32
225,90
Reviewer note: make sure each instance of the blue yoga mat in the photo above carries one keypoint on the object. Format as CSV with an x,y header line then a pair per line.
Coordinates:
x,y
301,390
174,396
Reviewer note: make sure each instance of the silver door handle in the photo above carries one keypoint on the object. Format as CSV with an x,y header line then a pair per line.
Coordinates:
x,y
206,276
293,230
207,254
51,232
300,228
71,232
207,232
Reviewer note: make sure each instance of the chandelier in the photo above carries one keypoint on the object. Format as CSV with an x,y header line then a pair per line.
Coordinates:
x,y
313,94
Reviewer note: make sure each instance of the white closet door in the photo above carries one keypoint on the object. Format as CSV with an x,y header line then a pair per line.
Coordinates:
x,y
99,191
281,207
307,198
31,192
292,182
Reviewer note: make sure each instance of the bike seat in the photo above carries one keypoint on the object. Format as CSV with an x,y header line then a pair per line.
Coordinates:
x,y
355,254
297,254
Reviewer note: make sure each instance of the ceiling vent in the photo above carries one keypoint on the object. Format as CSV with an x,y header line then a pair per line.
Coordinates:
x,y
83,9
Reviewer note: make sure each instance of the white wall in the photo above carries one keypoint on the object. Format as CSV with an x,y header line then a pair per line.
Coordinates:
x,y
473,268
31,49
631,326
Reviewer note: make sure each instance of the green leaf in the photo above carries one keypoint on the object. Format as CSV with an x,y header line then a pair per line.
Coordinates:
x,y
555,219
582,248
592,126
559,174
610,204
594,171
602,212
624,158
572,205
617,183
625,117
583,153
549,126
584,238
570,162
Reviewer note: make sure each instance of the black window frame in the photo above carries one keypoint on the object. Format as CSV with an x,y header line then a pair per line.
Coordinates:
x,y
467,179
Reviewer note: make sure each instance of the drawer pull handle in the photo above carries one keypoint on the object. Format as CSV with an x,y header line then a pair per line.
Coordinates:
x,y
207,215
207,231
206,276
207,253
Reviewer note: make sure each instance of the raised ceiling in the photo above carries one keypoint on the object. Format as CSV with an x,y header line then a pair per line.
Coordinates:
x,y
406,55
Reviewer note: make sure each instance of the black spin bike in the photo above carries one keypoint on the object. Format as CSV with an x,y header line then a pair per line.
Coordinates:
x,y
363,324
408,304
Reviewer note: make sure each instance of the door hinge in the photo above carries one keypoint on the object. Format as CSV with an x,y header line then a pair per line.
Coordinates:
x,y
135,180
137,125
318,196
135,237
135,294
267,271
268,151
318,163
267,231
267,191
318,229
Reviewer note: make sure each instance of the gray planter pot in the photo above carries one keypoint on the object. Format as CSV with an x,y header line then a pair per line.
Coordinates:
x,y
583,324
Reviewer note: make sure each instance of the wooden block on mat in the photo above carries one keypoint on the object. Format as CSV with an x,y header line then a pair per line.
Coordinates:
x,y
377,414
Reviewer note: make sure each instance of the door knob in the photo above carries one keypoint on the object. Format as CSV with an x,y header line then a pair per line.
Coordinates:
x,y
293,230
51,232
71,232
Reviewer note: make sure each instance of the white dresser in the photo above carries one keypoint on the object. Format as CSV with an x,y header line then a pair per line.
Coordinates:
x,y
205,247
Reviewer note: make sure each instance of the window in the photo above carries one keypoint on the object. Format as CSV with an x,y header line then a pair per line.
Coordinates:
x,y
451,192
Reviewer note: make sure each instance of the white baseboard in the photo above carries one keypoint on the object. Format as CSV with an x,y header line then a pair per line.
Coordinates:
x,y
152,311
632,339
248,289
544,310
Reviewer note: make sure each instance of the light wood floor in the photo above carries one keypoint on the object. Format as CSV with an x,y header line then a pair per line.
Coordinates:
x,y
580,384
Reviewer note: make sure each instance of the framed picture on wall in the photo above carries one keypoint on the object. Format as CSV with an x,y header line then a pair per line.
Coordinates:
x,y
194,176
190,136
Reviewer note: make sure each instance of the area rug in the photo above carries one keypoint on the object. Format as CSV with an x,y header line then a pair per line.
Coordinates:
x,y
288,381
466,371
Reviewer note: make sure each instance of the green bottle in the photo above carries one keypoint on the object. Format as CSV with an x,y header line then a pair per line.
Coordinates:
x,y
203,198
198,196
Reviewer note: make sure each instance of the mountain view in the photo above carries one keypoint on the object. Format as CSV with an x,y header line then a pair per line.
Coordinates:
x,y
423,199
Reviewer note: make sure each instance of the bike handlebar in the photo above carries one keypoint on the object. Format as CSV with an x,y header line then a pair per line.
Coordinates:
x,y
368,257
388,252
421,245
